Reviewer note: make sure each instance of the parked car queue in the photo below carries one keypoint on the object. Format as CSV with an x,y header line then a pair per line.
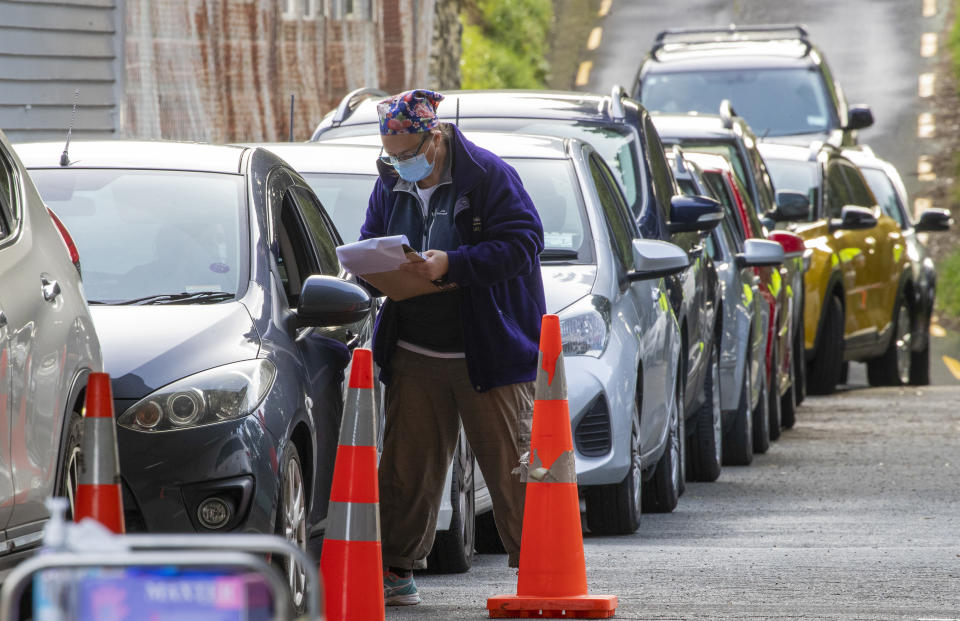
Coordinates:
x,y
702,289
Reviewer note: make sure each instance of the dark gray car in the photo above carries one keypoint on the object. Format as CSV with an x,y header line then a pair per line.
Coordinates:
x,y
211,272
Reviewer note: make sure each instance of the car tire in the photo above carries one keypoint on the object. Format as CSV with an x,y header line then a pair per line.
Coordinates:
x,y
706,442
738,441
761,417
844,372
823,373
892,368
452,551
291,524
486,536
662,492
920,362
800,364
615,509
69,476
773,393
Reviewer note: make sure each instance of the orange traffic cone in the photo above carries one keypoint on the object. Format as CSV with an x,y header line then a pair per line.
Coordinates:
x,y
351,561
98,489
552,581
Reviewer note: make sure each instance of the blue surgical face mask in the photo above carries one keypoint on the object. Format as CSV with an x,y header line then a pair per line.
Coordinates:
x,y
414,169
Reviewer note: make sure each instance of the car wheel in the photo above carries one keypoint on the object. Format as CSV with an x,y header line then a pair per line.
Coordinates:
x,y
662,492
738,441
452,551
892,368
615,509
69,476
291,523
920,362
773,393
761,418
799,364
823,373
788,402
706,443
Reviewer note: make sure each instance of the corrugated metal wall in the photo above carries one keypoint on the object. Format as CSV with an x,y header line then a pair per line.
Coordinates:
x,y
48,49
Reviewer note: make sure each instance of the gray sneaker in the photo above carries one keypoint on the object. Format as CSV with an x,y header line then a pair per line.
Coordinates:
x,y
399,591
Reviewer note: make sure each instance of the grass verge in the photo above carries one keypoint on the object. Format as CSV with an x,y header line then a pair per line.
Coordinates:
x,y
948,265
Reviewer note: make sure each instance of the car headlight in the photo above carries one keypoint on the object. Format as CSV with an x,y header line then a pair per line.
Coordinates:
x,y
584,326
212,396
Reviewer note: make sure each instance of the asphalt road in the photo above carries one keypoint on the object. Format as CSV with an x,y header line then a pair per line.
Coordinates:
x,y
873,47
850,515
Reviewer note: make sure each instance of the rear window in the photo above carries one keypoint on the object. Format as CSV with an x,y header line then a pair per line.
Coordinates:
x,y
775,102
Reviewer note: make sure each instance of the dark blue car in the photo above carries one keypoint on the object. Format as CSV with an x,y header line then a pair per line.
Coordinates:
x,y
225,324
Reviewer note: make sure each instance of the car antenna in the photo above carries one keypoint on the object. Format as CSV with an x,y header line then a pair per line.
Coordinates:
x,y
291,117
457,119
65,156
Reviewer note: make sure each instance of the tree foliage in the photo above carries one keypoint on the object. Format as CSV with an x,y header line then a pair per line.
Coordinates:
x,y
505,43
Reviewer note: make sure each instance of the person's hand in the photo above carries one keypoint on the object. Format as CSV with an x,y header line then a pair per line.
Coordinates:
x,y
434,266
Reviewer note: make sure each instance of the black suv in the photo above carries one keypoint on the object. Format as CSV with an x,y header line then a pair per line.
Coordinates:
x,y
623,134
773,75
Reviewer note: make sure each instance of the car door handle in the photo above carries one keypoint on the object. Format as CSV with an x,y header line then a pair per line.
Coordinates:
x,y
50,288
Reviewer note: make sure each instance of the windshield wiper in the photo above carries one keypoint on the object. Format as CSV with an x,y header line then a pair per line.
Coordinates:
x,y
203,297
559,254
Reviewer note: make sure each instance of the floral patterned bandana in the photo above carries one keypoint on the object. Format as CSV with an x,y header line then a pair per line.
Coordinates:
x,y
412,112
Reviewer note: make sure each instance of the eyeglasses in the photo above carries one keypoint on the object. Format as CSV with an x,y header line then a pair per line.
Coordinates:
x,y
393,160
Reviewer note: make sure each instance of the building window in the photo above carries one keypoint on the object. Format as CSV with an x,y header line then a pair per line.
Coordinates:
x,y
301,9
350,9
310,8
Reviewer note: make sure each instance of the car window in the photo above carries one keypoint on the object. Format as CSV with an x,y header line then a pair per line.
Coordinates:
x,y
886,195
726,149
659,170
860,193
838,194
345,199
731,222
614,210
8,210
775,101
321,232
797,176
765,192
295,260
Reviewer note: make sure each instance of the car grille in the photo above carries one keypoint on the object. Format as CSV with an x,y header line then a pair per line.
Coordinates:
x,y
593,431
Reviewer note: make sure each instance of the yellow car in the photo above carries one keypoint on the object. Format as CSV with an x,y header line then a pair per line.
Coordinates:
x,y
858,286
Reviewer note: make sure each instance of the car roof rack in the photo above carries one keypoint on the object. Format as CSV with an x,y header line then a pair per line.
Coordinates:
x,y
732,33
679,160
617,112
347,106
727,114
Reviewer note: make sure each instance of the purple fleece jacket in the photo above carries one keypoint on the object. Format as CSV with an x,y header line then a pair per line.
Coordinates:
x,y
497,264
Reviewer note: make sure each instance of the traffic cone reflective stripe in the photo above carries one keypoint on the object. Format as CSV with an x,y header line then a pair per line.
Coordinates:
x,y
99,495
351,561
552,580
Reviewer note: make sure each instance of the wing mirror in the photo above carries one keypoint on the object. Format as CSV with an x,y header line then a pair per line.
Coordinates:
x,y
932,220
327,301
694,213
854,218
656,259
791,206
859,117
760,253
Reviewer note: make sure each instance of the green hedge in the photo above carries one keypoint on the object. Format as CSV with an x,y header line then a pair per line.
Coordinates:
x,y
505,43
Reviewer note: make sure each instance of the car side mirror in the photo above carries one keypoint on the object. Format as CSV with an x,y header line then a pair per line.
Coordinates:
x,y
791,206
854,218
859,117
656,259
694,213
327,301
932,220
760,253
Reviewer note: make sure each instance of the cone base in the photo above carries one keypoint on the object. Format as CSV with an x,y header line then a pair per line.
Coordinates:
x,y
352,577
574,607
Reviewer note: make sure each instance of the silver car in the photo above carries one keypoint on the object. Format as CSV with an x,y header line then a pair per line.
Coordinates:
x,y
621,337
48,348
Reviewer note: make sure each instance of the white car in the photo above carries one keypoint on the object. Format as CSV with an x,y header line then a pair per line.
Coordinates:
x,y
48,348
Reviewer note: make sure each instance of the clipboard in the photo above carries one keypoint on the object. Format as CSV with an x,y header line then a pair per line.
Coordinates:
x,y
399,285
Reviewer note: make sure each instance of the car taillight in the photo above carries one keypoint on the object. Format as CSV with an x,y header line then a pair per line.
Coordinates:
x,y
792,243
741,207
67,240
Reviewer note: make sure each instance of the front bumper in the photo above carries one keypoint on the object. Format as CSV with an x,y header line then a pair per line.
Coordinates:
x,y
166,476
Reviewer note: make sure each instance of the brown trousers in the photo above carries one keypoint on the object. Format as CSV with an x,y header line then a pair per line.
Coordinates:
x,y
423,399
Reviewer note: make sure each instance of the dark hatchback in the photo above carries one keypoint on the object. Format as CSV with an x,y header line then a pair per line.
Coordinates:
x,y
623,134
225,324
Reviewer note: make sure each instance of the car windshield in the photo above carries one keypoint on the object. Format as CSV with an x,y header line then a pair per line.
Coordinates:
x,y
345,197
797,176
775,102
147,236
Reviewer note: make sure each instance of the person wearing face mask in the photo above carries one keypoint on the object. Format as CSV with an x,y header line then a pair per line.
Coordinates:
x,y
466,354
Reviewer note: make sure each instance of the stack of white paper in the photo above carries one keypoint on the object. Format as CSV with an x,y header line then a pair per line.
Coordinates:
x,y
372,256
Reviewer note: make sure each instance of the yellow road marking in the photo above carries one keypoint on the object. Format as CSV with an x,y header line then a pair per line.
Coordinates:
x,y
928,44
929,8
925,169
937,330
593,41
926,84
953,365
583,73
925,125
604,8
920,205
